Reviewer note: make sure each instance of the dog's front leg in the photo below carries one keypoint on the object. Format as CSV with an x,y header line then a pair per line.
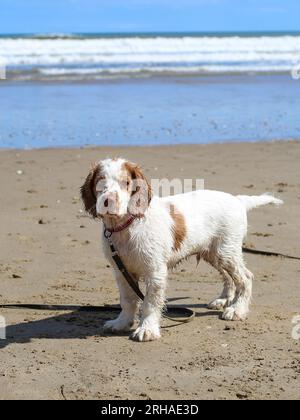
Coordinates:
x,y
129,304
149,327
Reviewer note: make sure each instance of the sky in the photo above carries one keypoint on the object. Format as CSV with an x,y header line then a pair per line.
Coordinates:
x,y
71,16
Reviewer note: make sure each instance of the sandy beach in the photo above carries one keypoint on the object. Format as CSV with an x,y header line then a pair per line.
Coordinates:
x,y
51,254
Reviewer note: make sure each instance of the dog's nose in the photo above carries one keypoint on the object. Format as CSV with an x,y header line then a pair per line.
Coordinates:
x,y
111,197
111,203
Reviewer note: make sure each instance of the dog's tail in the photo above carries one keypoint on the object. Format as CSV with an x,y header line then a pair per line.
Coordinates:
x,y
253,201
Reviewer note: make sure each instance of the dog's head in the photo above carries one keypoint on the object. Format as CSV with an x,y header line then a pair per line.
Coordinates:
x,y
115,188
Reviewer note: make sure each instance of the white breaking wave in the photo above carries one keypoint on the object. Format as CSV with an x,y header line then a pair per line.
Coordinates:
x,y
57,56
189,70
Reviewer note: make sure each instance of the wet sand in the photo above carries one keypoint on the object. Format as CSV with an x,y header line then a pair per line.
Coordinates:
x,y
50,253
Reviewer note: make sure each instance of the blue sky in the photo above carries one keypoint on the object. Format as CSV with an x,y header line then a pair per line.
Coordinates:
x,y
44,16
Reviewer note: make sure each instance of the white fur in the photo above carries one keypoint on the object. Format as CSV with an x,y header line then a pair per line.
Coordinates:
x,y
216,224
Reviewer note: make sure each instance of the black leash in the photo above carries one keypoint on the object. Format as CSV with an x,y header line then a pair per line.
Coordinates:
x,y
172,309
190,315
62,308
119,263
268,253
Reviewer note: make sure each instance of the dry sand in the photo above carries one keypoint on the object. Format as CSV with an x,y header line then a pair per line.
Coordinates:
x,y
50,253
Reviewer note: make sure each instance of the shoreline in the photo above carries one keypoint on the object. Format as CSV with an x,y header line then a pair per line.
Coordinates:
x,y
29,77
151,146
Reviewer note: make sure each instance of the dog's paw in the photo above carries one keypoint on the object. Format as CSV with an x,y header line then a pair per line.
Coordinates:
x,y
144,333
217,304
116,325
234,314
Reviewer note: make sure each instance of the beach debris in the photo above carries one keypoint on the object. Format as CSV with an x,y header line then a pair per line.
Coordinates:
x,y
249,245
261,234
19,172
62,392
241,396
41,222
16,276
281,186
75,200
229,328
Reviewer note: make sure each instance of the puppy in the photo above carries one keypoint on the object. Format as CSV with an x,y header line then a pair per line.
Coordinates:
x,y
153,234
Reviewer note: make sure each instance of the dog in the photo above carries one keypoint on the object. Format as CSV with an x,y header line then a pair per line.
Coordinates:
x,y
153,234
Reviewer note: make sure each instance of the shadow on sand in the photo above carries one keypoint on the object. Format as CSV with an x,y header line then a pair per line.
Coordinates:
x,y
78,322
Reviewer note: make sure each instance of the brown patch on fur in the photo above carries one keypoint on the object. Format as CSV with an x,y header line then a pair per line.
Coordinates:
x,y
88,193
143,195
179,227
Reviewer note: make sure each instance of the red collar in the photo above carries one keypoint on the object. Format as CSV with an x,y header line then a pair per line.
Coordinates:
x,y
120,227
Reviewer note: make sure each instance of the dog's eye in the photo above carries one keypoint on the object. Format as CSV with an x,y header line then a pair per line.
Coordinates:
x,y
125,185
99,190
100,186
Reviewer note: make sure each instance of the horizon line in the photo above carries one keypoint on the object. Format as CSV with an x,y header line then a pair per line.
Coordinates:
x,y
146,33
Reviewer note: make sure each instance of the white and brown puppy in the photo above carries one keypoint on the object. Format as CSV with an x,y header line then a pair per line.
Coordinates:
x,y
153,234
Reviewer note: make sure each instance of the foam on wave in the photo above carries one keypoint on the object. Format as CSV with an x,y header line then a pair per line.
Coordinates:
x,y
70,55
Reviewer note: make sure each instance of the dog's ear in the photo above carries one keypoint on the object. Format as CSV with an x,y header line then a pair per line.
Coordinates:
x,y
88,192
141,191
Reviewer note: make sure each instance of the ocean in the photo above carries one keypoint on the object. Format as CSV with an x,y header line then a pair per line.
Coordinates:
x,y
99,56
135,89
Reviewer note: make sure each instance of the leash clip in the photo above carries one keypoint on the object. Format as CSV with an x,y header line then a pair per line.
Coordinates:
x,y
107,233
